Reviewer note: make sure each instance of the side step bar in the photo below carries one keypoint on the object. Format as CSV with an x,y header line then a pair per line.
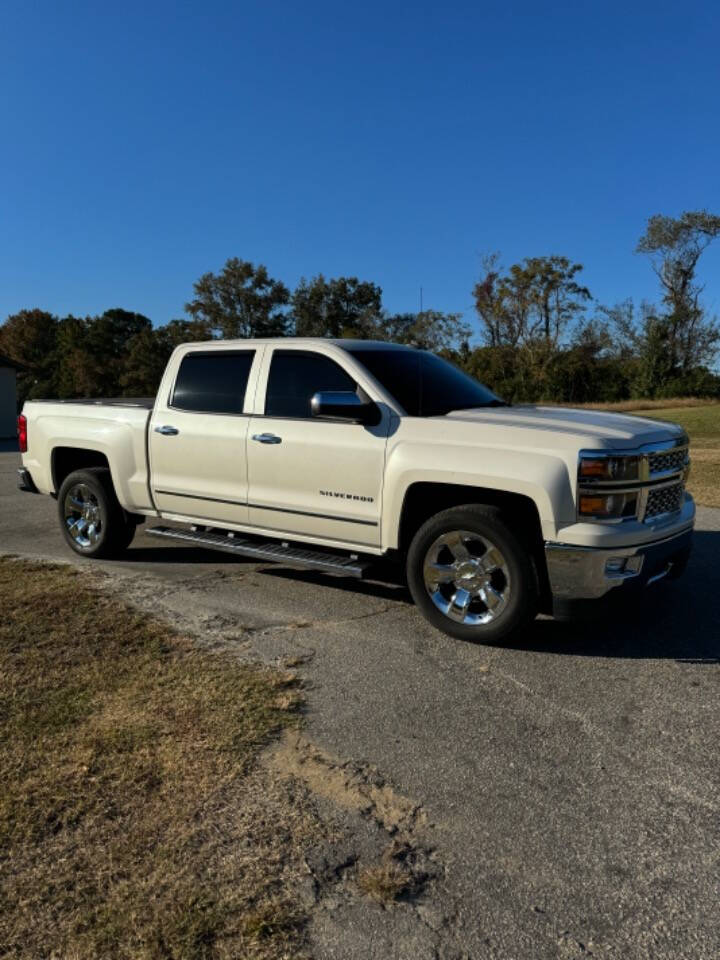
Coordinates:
x,y
349,566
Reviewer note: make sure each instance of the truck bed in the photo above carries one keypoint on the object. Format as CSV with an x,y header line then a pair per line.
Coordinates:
x,y
114,427
145,403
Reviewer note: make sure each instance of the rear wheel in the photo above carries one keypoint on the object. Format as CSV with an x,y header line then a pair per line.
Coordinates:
x,y
471,575
91,518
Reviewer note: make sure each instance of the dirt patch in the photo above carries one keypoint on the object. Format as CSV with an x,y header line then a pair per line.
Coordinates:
x,y
400,870
347,784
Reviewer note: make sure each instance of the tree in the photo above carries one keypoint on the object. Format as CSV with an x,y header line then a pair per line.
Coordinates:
x,y
241,301
429,330
185,331
93,352
149,351
30,338
643,342
146,358
675,246
591,367
537,299
341,307
75,368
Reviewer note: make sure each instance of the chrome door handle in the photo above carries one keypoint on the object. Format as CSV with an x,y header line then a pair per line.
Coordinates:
x,y
167,431
267,438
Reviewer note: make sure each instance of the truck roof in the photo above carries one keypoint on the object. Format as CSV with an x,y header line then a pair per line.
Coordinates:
x,y
310,341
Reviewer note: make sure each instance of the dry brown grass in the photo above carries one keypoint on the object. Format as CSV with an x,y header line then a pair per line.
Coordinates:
x,y
384,883
135,821
704,481
631,406
391,879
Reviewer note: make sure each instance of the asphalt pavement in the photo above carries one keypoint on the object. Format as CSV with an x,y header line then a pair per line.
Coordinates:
x,y
569,783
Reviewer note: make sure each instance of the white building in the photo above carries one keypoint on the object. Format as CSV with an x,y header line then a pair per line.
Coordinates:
x,y
8,398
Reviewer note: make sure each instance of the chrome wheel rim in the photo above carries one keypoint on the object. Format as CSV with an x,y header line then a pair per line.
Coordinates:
x,y
467,577
82,515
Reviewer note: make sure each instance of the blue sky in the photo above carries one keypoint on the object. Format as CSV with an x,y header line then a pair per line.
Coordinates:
x,y
146,143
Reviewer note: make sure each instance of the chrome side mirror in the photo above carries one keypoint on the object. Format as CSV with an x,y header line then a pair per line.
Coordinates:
x,y
344,406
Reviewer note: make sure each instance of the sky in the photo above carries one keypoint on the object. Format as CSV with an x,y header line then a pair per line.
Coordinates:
x,y
145,143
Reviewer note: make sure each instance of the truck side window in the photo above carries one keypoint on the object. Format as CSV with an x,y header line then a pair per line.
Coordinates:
x,y
213,381
295,376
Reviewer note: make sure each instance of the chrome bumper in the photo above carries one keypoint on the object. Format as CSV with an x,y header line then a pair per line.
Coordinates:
x,y
588,573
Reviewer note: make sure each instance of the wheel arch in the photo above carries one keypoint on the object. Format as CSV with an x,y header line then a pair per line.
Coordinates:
x,y
66,460
425,499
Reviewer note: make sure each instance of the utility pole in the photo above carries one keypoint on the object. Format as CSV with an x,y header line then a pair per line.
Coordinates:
x,y
421,308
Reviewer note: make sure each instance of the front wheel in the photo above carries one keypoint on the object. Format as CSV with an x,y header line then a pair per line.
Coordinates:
x,y
471,576
92,520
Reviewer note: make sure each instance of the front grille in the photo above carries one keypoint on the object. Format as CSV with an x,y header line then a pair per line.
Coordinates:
x,y
664,500
666,460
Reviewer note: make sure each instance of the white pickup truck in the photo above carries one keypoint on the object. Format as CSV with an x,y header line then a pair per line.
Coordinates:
x,y
332,454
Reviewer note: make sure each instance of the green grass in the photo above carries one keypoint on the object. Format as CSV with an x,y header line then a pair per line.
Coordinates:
x,y
703,426
135,821
701,423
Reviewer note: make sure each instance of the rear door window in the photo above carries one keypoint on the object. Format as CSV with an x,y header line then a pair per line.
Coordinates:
x,y
213,381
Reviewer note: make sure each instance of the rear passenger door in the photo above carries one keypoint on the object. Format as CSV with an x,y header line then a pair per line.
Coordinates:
x,y
197,437
318,478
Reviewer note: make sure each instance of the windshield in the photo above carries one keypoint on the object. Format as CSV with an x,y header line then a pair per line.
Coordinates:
x,y
424,385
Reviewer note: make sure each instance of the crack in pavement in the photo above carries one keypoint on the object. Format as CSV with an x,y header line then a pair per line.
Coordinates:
x,y
597,732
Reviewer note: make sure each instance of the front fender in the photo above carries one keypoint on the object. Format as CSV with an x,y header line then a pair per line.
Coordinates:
x,y
543,478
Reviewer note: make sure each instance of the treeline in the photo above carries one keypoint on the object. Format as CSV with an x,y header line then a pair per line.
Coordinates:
x,y
542,335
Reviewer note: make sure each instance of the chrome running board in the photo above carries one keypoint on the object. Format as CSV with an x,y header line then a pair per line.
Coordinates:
x,y
277,552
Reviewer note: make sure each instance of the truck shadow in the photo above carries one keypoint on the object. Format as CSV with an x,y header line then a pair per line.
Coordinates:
x,y
677,620
179,554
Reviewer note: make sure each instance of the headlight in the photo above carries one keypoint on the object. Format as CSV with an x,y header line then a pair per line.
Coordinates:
x,y
611,469
603,482
607,506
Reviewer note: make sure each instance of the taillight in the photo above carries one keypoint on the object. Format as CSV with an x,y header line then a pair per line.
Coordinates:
x,y
22,432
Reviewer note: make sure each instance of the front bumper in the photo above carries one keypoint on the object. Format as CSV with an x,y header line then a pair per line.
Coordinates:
x,y
581,578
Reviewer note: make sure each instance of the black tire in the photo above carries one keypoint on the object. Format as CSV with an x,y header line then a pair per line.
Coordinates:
x,y
107,531
515,581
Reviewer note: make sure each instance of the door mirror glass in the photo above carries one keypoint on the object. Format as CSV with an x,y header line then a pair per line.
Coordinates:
x,y
346,406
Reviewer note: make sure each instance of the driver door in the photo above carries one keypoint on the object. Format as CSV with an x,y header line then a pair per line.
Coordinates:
x,y
309,476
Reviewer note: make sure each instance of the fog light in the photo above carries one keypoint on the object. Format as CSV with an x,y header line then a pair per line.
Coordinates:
x,y
623,566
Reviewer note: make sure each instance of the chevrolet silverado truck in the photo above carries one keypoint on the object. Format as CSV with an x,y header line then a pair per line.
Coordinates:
x,y
332,454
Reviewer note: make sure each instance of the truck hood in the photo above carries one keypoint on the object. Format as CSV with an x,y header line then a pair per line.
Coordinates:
x,y
590,428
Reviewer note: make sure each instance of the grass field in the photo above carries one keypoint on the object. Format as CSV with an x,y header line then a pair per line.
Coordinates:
x,y
635,406
135,820
703,426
